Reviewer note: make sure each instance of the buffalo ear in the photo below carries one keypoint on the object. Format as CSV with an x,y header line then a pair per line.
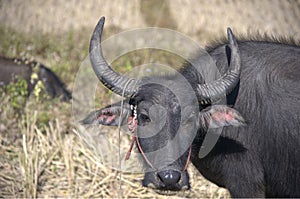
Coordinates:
x,y
217,116
109,115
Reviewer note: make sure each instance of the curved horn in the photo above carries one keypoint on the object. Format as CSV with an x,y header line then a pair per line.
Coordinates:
x,y
111,79
224,85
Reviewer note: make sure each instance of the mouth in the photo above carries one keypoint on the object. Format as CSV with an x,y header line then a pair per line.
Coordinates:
x,y
167,182
168,192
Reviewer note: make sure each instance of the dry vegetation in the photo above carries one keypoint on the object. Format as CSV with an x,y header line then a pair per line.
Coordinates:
x,y
40,153
50,161
44,158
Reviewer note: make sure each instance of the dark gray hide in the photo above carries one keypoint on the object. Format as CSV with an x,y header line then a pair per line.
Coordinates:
x,y
256,159
32,72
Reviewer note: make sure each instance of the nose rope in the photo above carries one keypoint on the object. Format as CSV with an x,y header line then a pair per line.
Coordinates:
x,y
188,159
119,134
144,155
132,125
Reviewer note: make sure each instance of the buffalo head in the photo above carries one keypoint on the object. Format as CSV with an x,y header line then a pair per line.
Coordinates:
x,y
165,114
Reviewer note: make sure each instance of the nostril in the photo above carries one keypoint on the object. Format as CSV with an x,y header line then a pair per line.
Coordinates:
x,y
169,177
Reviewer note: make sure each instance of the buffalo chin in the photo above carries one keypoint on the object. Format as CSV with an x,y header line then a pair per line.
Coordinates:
x,y
168,192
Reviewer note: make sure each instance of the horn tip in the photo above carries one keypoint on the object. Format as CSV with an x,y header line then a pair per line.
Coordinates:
x,y
98,30
229,30
102,19
231,37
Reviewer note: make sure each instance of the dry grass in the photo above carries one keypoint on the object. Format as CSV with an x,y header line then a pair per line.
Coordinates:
x,y
40,153
44,158
199,19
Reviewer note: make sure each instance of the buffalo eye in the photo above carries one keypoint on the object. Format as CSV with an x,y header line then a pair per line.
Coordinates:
x,y
144,119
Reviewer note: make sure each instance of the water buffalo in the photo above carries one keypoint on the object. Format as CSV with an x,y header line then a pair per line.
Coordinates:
x,y
257,153
33,72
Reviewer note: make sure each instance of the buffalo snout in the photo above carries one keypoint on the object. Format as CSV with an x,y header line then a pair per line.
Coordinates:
x,y
167,180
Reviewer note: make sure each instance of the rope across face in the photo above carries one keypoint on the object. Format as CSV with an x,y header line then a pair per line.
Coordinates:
x,y
132,126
